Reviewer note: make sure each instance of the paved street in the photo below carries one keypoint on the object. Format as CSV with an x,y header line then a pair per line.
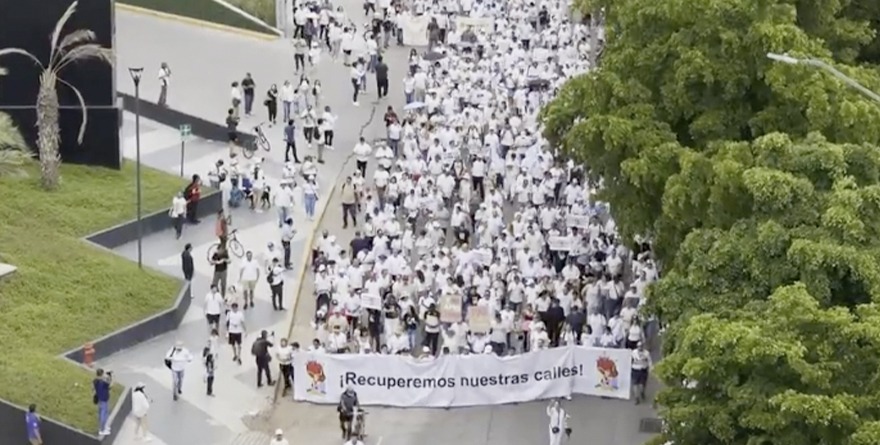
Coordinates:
x,y
201,88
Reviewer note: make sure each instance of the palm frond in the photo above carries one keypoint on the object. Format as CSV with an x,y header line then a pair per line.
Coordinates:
x,y
19,51
77,37
56,33
12,162
82,109
83,52
10,138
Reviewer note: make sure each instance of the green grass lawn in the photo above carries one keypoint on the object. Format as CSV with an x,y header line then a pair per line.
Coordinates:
x,y
211,11
67,292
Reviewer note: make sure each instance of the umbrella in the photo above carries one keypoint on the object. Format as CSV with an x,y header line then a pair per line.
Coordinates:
x,y
414,106
434,56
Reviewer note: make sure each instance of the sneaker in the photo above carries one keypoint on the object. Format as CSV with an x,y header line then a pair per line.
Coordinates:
x,y
356,104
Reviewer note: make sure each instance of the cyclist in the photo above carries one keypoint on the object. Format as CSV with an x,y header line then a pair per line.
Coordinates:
x,y
348,403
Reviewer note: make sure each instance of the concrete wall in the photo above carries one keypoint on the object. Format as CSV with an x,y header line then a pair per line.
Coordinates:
x,y
12,425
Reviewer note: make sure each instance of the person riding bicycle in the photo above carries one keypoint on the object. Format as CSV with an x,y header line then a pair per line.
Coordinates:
x,y
348,404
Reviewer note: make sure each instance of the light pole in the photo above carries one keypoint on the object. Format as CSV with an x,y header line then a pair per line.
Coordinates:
x,y
816,63
136,74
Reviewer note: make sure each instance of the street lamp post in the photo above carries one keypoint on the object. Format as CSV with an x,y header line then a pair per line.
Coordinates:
x,y
785,58
136,74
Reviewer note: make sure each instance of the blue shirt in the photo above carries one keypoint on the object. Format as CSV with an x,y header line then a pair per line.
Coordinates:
x,y
289,133
102,390
32,421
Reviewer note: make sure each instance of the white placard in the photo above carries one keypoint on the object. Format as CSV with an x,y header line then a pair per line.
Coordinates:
x,y
579,221
479,320
458,380
560,243
370,301
415,29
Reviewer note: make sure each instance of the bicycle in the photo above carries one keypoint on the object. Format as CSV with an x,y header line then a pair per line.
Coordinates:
x,y
232,245
260,141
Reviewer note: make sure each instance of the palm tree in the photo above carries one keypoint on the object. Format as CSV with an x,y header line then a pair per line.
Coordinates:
x,y
14,152
75,46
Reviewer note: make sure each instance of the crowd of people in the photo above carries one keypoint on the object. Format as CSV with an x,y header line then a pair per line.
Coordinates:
x,y
472,234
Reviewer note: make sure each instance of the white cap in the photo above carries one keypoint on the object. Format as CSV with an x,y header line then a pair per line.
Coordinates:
x,y
279,432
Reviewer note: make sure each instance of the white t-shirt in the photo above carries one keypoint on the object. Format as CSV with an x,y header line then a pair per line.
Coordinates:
x,y
235,321
214,303
250,270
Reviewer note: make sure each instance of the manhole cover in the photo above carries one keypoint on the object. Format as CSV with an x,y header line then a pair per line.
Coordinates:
x,y
650,425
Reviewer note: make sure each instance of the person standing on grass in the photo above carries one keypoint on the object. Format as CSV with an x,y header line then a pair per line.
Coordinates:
x,y
176,360
164,80
186,262
192,193
248,87
276,284
32,424
101,385
178,213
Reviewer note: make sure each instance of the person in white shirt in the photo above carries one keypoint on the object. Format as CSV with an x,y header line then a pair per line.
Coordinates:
x,y
235,328
235,96
178,213
164,80
558,422
641,365
284,354
362,152
214,304
248,276
176,360
358,71
278,438
140,406
276,283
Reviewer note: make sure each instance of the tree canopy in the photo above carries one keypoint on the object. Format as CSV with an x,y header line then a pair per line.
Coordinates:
x,y
759,183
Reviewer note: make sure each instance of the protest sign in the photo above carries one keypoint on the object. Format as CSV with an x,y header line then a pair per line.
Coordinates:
x,y
450,308
478,319
559,243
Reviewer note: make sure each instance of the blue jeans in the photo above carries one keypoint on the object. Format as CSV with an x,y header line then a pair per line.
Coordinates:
x,y
374,60
285,108
411,335
248,103
282,216
103,415
409,97
176,382
310,201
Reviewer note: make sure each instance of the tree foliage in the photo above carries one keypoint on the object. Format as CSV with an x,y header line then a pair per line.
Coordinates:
x,y
759,183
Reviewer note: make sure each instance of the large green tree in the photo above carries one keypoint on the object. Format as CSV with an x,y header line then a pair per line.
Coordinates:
x,y
760,185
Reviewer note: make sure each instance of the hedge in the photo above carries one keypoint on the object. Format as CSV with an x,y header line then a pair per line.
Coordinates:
x,y
206,10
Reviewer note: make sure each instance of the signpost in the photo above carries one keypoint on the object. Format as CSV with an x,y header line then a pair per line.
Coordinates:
x,y
185,133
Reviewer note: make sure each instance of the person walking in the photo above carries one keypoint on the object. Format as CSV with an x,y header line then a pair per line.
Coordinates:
x,y
288,93
164,80
272,104
186,262
220,261
362,152
260,351
310,124
140,406
278,438
300,47
284,354
192,193
235,328
558,422
101,385
276,284
214,304
290,141
32,425
235,99
310,197
287,234
176,360
209,360
357,73
248,87
248,276
329,124
349,203
641,365
177,212
381,77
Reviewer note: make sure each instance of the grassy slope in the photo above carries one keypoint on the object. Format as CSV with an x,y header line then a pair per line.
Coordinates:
x,y
206,10
67,292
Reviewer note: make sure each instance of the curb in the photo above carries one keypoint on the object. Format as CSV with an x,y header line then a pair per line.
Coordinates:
x,y
197,22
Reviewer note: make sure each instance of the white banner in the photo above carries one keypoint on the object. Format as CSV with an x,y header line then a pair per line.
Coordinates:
x,y
459,380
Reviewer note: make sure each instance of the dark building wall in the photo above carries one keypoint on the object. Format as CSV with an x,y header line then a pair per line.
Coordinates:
x,y
29,25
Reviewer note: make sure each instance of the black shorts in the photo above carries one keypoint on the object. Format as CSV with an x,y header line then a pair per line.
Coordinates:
x,y
213,318
234,339
233,136
347,52
640,376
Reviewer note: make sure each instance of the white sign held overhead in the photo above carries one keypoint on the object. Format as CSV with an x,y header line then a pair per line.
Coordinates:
x,y
456,380
560,243
371,301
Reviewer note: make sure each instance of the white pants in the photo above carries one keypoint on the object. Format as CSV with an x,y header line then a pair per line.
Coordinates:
x,y
555,439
